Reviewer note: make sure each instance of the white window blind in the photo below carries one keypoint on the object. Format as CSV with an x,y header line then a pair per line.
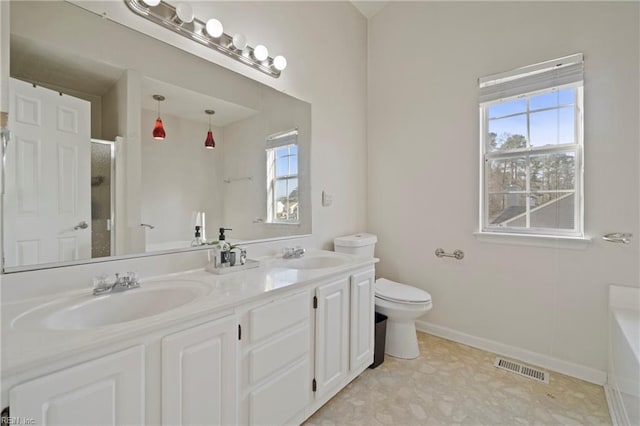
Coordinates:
x,y
554,73
283,138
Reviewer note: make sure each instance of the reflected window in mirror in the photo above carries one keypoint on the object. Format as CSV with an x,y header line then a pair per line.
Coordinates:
x,y
282,178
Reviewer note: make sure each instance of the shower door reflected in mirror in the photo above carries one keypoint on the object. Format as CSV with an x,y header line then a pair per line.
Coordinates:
x,y
102,197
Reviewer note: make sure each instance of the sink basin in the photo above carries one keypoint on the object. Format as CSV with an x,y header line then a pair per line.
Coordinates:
x,y
88,311
314,262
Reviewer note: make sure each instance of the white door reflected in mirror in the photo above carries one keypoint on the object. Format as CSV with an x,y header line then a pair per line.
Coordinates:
x,y
47,192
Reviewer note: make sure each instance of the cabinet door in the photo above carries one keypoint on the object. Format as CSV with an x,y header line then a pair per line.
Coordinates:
x,y
199,374
362,319
105,391
332,335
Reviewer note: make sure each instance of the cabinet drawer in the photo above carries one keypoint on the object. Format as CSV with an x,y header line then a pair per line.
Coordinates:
x,y
281,399
278,353
278,315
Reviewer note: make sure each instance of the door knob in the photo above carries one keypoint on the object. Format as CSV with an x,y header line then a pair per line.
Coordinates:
x,y
81,225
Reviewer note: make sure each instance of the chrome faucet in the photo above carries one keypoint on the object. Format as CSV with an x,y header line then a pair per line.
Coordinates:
x,y
293,253
122,282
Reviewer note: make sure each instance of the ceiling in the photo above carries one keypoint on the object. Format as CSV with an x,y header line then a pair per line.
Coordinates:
x,y
50,65
191,105
369,8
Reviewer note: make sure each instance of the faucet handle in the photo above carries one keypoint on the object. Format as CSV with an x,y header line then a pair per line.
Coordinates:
x,y
100,283
132,279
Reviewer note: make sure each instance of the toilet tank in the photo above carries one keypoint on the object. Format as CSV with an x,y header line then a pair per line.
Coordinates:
x,y
358,244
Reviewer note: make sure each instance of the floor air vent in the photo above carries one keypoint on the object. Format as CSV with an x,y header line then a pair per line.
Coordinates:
x,y
521,369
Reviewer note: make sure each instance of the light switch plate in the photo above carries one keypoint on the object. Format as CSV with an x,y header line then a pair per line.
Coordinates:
x,y
327,199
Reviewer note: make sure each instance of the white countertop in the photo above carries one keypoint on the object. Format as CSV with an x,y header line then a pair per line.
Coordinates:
x,y
23,349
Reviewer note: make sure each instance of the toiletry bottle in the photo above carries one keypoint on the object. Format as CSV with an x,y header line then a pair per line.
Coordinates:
x,y
198,240
222,250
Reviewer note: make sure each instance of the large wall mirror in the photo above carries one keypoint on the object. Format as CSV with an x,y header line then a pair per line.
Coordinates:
x,y
86,181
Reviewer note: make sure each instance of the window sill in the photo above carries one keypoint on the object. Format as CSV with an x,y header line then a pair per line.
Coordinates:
x,y
575,243
296,224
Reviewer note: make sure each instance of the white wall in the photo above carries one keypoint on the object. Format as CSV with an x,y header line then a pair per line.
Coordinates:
x,y
424,62
245,207
121,118
180,177
327,68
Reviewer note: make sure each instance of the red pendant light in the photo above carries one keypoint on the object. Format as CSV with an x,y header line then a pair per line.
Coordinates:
x,y
158,129
209,143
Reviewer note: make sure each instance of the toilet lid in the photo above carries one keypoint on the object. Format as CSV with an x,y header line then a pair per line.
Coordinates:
x,y
396,292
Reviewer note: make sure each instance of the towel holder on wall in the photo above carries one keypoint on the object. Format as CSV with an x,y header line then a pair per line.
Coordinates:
x,y
618,237
458,254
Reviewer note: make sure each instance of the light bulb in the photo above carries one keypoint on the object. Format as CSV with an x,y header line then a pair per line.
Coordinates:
x,y
279,62
214,28
239,41
260,52
151,3
184,11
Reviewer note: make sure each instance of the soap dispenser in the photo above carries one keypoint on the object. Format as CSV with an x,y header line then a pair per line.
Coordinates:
x,y
222,250
198,240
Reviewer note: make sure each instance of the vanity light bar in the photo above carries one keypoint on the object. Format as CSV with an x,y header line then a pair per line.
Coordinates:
x,y
166,15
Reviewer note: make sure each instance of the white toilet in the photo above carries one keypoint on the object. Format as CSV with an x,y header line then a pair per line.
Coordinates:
x,y
401,303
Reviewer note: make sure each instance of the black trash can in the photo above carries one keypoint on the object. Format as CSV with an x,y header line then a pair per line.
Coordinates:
x,y
380,336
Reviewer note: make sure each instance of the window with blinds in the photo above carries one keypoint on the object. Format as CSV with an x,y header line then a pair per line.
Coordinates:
x,y
531,135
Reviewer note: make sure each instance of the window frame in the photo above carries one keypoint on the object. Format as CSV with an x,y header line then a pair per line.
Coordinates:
x,y
577,148
274,142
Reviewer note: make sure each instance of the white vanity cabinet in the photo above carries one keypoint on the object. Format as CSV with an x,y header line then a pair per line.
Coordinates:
x,y
184,375
199,374
362,325
300,349
276,360
344,331
104,391
272,359
332,335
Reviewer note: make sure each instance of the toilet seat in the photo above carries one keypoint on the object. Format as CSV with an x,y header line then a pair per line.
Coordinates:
x,y
401,293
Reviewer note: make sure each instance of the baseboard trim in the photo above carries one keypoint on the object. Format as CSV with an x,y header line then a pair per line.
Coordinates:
x,y
554,364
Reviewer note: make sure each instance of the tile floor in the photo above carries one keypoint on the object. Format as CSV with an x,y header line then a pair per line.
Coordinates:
x,y
454,384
